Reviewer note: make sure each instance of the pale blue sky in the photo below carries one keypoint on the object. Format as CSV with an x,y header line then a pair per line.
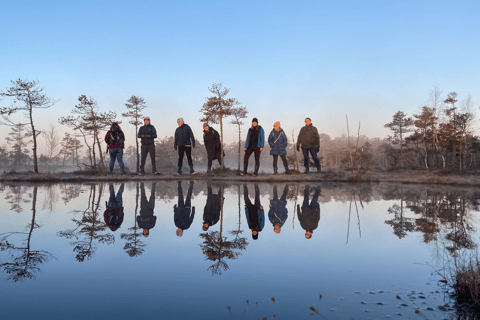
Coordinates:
x,y
283,60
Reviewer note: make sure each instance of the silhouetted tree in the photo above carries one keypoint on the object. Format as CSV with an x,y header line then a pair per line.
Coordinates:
x,y
134,247
400,125
135,105
239,113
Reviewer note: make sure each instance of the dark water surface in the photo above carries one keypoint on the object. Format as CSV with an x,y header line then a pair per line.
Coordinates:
x,y
65,255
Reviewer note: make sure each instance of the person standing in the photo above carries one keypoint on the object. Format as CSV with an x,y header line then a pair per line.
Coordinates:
x,y
309,140
213,207
115,140
254,212
309,216
113,215
148,134
184,212
278,143
253,144
278,212
211,140
184,142
146,220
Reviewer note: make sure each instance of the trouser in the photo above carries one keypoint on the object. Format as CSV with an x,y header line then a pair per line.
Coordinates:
x,y
116,153
115,201
306,195
144,203
210,162
284,160
188,201
248,203
313,152
284,194
145,150
182,150
248,153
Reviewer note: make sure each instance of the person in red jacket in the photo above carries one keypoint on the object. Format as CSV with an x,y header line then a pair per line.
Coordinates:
x,y
116,142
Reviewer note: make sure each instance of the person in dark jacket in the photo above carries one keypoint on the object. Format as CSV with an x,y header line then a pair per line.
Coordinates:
x,y
146,220
254,212
278,142
309,216
184,212
184,142
113,215
115,140
309,140
211,212
211,140
254,144
148,134
278,212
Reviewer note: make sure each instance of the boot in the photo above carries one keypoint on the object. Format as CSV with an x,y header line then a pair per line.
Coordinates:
x,y
179,171
275,170
209,169
287,171
319,168
255,173
244,173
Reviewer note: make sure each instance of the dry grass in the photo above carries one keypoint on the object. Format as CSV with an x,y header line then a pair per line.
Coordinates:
x,y
465,280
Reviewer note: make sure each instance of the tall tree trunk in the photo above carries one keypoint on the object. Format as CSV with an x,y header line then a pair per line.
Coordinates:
x,y
239,145
35,164
136,140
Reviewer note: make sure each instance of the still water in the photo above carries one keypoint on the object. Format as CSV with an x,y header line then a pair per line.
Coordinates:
x,y
192,250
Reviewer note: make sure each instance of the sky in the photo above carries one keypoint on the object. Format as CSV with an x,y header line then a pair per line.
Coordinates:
x,y
283,60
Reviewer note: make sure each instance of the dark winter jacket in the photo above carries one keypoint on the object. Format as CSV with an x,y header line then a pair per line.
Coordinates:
x,y
308,138
148,134
184,136
115,138
278,212
211,140
113,217
146,219
310,217
255,218
278,142
254,131
183,218
211,212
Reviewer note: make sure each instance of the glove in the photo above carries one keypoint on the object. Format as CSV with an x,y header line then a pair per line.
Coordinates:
x,y
175,148
318,149
298,148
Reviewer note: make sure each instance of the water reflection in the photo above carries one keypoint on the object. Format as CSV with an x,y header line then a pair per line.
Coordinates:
x,y
113,215
211,212
146,220
278,212
134,246
309,214
25,262
184,212
254,212
89,228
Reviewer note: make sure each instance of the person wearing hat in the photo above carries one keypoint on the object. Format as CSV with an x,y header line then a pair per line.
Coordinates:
x,y
115,140
148,134
254,212
278,212
184,142
146,220
309,140
114,215
277,139
211,140
309,216
184,212
211,212
253,144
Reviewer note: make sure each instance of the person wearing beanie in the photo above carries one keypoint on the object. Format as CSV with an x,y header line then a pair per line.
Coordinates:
x,y
309,140
184,142
113,215
148,134
254,212
146,220
184,212
211,212
277,139
309,216
211,140
115,140
254,144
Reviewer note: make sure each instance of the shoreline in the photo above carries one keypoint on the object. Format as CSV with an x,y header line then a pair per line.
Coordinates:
x,y
403,176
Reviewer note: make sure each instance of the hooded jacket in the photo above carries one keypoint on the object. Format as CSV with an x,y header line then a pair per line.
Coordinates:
x,y
211,212
261,136
308,137
310,217
184,136
150,133
278,142
211,140
278,212
115,137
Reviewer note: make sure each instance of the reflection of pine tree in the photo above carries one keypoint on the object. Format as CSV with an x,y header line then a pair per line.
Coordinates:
x,y
89,228
400,224
26,264
134,246
217,248
14,197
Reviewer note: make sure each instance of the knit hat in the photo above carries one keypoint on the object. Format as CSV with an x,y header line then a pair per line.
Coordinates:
x,y
255,120
147,118
180,120
205,125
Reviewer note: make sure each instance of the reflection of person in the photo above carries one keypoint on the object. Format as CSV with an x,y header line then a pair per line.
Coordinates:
x,y
211,140
309,139
184,212
211,212
116,142
113,215
278,142
253,144
254,212
148,134
184,142
278,212
309,216
146,220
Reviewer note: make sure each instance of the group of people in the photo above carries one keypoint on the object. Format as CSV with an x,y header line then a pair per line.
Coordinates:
x,y
184,213
308,141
